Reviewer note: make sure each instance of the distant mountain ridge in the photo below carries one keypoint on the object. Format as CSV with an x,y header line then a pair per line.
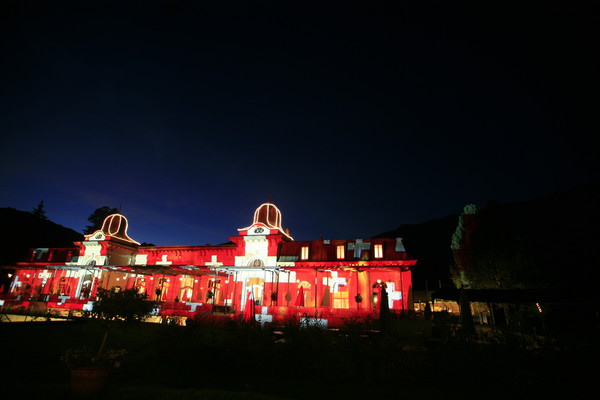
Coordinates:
x,y
24,231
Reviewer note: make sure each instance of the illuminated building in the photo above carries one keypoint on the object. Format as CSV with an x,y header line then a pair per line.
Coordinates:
x,y
324,280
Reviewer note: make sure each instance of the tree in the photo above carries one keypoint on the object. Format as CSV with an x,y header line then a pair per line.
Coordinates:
x,y
39,212
493,250
125,305
461,246
97,218
502,254
112,305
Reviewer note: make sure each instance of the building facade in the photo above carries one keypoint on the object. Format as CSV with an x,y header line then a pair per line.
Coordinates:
x,y
261,267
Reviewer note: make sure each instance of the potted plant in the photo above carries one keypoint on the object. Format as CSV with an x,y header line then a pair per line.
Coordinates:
x,y
90,368
84,357
358,298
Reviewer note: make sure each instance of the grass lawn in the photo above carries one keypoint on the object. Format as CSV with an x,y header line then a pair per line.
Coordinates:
x,y
235,362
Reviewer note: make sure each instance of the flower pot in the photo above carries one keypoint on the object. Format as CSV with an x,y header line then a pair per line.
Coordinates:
x,y
89,381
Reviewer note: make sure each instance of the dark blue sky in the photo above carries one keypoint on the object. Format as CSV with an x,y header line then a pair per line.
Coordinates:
x,y
355,118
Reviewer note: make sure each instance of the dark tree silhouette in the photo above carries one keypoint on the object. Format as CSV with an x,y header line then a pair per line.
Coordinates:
x,y
39,211
503,254
493,250
127,305
97,217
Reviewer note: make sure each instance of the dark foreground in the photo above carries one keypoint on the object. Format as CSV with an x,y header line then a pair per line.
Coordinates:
x,y
414,360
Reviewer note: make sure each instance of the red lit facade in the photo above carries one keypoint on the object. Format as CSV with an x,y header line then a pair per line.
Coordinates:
x,y
324,280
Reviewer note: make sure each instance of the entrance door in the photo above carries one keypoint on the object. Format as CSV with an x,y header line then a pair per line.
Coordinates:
x,y
256,285
86,284
187,287
140,284
163,288
214,290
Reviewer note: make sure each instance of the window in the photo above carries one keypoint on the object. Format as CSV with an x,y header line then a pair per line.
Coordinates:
x,y
378,251
257,263
340,252
304,253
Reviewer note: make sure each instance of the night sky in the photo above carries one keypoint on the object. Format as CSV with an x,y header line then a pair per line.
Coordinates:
x,y
355,118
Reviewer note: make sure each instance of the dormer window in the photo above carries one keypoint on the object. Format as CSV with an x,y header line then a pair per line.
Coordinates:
x,y
340,252
304,253
378,251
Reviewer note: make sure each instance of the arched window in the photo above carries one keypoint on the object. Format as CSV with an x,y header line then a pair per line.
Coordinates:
x,y
256,263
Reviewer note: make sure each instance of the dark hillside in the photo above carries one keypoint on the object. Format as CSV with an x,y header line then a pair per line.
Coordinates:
x,y
429,243
560,231
22,231
560,234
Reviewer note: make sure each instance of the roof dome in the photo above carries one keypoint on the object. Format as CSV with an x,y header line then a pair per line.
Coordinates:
x,y
269,215
115,225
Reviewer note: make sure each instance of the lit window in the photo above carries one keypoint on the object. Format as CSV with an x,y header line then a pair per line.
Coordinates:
x,y
378,251
304,253
341,252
